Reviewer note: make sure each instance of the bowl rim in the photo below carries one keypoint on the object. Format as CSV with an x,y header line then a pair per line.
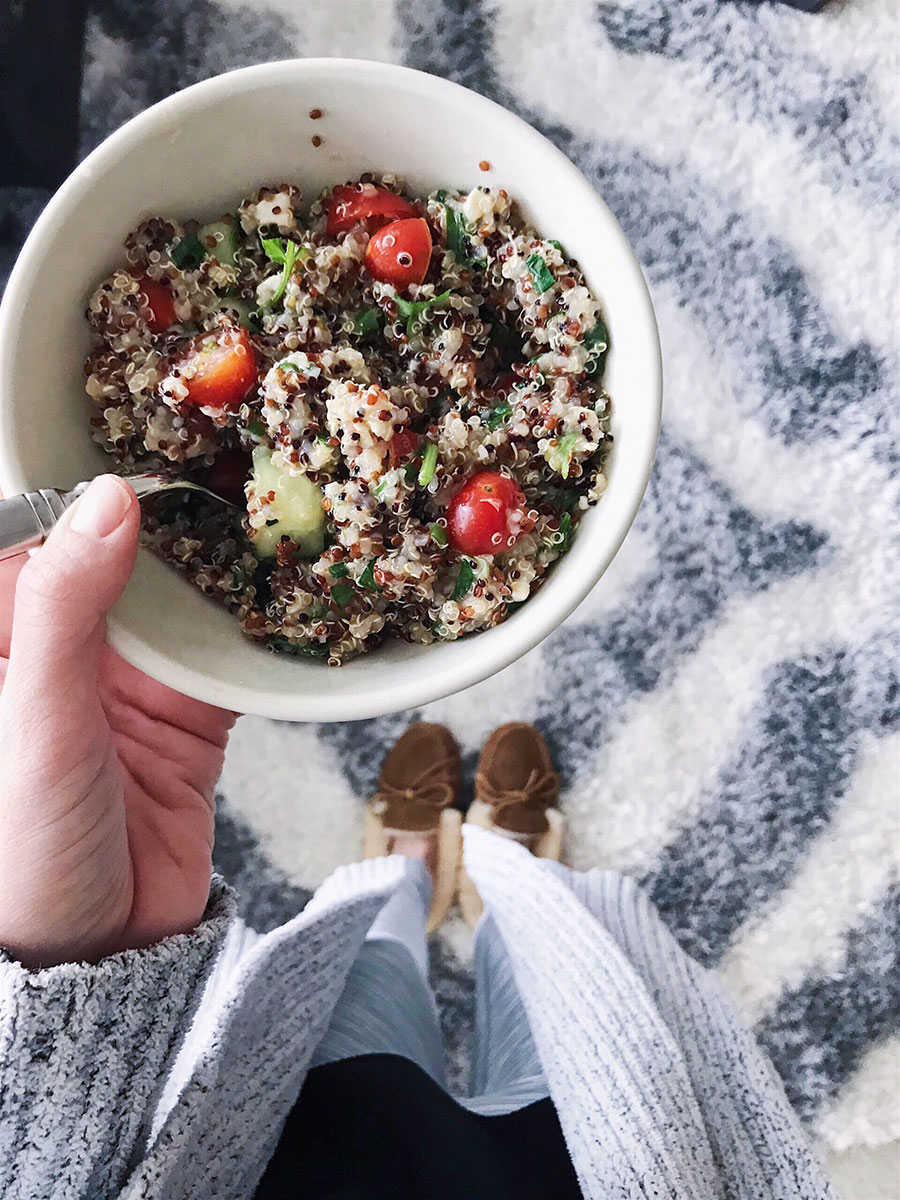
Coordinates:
x,y
499,646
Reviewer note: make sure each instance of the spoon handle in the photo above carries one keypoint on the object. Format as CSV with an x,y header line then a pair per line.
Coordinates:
x,y
26,520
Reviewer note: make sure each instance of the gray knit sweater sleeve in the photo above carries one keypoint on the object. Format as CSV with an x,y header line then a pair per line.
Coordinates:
x,y
84,1051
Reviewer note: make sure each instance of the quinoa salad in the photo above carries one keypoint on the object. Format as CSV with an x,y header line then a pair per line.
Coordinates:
x,y
401,396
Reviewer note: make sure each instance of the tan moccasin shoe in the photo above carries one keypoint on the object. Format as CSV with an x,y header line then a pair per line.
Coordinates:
x,y
412,812
516,790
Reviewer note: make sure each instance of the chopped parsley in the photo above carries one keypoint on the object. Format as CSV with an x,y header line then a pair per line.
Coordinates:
x,y
256,427
286,252
365,323
429,465
303,650
309,369
567,498
189,252
558,245
410,309
541,273
338,570
367,579
565,533
341,594
464,580
504,340
314,650
456,232
596,340
457,237
240,576
497,416
438,534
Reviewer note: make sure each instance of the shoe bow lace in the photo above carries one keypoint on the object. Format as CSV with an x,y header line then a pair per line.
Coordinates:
x,y
431,789
539,791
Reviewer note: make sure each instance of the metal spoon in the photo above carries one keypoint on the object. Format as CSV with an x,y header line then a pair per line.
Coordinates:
x,y
26,520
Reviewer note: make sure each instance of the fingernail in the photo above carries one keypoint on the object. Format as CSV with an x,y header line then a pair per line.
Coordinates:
x,y
101,509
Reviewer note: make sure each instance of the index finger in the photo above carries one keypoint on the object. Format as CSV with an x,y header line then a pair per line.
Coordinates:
x,y
9,573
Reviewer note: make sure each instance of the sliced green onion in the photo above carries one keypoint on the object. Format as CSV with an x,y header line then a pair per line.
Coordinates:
x,y
189,252
367,579
563,453
341,594
497,416
338,570
256,427
541,273
440,195
379,487
429,465
438,534
464,580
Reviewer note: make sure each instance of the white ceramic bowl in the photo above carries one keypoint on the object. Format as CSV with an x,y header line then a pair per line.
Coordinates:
x,y
195,155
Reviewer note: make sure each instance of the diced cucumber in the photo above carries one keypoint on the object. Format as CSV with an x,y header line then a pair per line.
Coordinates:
x,y
241,308
219,238
296,509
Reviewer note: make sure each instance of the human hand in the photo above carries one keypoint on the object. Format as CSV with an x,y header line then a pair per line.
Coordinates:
x,y
106,777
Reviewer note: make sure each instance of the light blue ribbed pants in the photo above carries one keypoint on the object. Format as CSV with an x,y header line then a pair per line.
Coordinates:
x,y
387,1007
687,1105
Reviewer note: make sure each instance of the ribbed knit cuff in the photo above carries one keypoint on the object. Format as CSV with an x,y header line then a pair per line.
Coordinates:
x,y
84,1051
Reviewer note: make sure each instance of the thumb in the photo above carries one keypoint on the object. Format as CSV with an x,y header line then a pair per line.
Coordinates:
x,y
62,595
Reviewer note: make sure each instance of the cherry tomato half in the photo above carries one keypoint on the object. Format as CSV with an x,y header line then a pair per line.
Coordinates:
x,y
157,299
227,475
374,205
225,369
400,252
402,445
488,515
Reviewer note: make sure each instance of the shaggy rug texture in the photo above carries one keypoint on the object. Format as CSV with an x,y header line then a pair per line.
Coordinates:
x,y
724,708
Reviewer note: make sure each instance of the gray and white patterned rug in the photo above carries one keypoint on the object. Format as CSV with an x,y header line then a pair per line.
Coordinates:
x,y
725,706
